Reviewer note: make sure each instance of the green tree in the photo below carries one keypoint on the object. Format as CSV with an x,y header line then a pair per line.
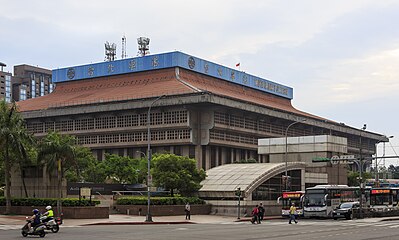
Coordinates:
x,y
353,178
121,169
84,168
13,137
177,172
58,154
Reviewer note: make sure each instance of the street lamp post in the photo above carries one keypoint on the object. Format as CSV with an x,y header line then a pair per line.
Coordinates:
x,y
148,216
377,178
361,173
286,152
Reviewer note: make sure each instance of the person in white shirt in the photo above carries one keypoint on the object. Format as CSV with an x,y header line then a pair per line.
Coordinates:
x,y
188,210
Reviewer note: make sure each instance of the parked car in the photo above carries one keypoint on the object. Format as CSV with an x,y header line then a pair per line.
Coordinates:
x,y
345,210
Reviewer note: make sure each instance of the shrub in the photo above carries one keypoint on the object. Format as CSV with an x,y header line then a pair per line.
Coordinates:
x,y
159,200
66,202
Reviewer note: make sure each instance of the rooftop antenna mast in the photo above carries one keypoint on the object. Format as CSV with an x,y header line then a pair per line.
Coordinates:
x,y
143,46
124,47
110,51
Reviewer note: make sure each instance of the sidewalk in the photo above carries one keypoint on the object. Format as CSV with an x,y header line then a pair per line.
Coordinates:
x,y
131,219
121,219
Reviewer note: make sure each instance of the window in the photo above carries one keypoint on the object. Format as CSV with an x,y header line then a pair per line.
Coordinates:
x,y
41,86
8,88
22,93
33,88
50,88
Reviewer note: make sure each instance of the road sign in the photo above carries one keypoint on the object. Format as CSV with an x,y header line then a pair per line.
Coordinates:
x,y
342,159
85,192
321,159
347,157
334,159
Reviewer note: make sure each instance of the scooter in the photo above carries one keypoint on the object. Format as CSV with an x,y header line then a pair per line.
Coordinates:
x,y
37,230
52,224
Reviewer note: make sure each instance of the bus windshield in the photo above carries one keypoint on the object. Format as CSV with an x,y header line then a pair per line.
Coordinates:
x,y
315,199
380,200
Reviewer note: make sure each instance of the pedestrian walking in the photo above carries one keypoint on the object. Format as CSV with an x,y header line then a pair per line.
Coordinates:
x,y
187,209
255,213
261,213
292,214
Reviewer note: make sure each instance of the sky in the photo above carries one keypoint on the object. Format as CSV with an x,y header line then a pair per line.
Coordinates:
x,y
341,57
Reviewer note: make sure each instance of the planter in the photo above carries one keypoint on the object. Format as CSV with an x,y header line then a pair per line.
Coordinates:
x,y
68,212
162,210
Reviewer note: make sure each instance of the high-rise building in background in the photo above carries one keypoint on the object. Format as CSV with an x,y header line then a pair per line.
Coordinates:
x,y
5,84
27,82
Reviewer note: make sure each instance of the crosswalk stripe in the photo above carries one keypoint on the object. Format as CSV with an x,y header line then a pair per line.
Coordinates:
x,y
13,227
9,227
344,224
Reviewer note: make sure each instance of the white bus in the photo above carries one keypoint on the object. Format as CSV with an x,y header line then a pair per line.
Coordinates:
x,y
384,199
289,198
321,200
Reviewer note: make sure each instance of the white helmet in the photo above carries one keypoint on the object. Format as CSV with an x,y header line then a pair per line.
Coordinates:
x,y
48,207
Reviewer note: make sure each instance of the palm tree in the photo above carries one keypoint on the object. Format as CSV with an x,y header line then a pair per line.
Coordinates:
x,y
57,151
13,138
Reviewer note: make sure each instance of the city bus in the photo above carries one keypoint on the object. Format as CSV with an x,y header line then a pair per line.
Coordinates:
x,y
321,200
287,199
384,199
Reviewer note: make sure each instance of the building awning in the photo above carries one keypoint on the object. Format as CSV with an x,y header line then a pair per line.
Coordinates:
x,y
222,181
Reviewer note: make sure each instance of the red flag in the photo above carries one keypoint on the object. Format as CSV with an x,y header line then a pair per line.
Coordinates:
x,y
238,64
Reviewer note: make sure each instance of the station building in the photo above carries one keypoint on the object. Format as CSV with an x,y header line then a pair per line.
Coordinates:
x,y
197,108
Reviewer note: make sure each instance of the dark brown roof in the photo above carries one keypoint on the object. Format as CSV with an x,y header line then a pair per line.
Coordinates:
x,y
150,84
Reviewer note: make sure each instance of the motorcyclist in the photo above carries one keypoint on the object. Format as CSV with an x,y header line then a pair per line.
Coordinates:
x,y
34,220
49,214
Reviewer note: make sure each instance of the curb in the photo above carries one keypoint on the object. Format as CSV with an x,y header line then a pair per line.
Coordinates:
x,y
264,219
133,223
389,219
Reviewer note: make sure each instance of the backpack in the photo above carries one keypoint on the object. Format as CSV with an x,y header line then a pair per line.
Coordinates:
x,y
255,211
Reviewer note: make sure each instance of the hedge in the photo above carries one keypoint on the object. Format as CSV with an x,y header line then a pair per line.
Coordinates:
x,y
66,202
159,200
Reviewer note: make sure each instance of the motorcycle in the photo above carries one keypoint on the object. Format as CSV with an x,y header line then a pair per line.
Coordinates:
x,y
37,230
52,224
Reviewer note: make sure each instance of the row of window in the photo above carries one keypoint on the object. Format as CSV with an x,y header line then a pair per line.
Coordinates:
x,y
42,88
135,137
107,122
246,123
229,137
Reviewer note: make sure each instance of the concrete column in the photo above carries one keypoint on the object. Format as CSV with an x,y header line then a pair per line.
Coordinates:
x,y
232,155
224,155
198,155
303,180
207,158
217,160
102,153
185,151
237,155
125,152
